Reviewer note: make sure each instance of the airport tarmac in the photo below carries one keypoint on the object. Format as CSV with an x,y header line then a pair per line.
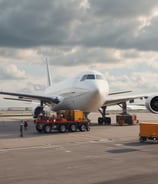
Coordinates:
x,y
104,155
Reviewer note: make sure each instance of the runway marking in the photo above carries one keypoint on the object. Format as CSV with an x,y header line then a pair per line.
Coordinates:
x,y
57,147
101,141
8,135
30,147
118,144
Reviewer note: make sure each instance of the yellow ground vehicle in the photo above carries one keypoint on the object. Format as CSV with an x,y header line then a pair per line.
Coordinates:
x,y
148,130
64,121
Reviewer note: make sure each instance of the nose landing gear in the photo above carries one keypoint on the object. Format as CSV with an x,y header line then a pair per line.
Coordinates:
x,y
104,120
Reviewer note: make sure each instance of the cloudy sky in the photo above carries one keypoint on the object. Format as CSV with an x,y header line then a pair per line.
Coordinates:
x,y
117,37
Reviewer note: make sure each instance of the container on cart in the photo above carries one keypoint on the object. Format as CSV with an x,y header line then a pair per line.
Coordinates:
x,y
148,131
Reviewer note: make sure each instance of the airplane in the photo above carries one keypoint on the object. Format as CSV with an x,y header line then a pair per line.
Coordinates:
x,y
88,91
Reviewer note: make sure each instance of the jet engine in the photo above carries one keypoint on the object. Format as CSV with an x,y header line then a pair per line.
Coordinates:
x,y
152,104
36,111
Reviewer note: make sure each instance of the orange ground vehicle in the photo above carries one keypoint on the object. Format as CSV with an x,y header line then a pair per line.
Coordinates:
x,y
148,131
64,121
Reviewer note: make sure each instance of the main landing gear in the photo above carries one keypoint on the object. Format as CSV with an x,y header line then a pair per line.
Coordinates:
x,y
107,120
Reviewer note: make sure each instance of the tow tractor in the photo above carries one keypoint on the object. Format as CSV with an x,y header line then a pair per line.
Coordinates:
x,y
63,121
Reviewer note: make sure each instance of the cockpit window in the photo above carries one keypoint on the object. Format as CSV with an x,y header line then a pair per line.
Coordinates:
x,y
91,77
84,78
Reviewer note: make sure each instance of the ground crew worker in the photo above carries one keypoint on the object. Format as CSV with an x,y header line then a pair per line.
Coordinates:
x,y
21,129
25,125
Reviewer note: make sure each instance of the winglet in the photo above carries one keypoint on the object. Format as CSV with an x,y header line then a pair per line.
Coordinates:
x,y
48,74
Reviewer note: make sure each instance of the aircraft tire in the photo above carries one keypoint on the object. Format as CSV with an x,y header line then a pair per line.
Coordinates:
x,y
107,121
100,121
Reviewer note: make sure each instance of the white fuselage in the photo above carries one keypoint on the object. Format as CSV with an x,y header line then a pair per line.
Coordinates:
x,y
86,92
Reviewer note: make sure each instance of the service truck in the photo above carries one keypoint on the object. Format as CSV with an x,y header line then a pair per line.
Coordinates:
x,y
63,121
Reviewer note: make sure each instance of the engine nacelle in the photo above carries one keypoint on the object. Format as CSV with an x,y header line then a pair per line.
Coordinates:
x,y
36,111
152,104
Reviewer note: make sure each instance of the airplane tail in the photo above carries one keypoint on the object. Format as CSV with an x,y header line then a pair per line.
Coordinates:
x,y
48,74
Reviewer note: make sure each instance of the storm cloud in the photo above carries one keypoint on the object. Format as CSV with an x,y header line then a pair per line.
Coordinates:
x,y
117,24
116,37
32,23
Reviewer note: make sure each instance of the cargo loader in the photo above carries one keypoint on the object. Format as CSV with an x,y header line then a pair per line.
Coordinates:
x,y
63,121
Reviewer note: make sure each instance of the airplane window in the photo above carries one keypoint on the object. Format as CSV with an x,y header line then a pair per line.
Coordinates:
x,y
84,78
100,77
90,76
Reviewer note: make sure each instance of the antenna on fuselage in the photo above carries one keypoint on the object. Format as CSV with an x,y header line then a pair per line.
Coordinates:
x,y
48,74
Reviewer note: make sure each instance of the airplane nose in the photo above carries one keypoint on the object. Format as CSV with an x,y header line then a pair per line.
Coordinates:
x,y
100,89
97,95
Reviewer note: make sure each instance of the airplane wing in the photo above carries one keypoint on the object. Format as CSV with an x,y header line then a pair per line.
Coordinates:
x,y
119,99
31,97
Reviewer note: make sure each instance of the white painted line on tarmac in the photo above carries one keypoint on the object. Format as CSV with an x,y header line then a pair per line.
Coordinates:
x,y
101,141
118,144
30,147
